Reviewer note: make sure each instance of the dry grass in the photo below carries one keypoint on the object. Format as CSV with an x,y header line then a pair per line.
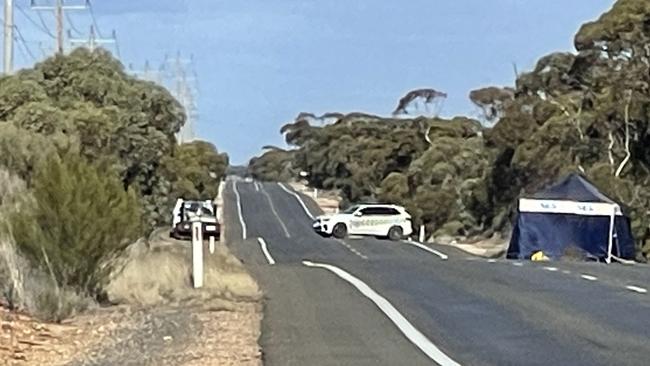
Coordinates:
x,y
159,271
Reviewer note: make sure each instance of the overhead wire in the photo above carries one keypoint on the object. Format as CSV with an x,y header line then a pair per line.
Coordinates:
x,y
24,43
92,15
42,27
72,26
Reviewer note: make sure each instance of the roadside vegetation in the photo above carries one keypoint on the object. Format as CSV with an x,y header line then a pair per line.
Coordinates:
x,y
88,164
585,111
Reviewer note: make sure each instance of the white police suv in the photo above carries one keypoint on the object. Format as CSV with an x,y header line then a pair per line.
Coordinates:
x,y
390,221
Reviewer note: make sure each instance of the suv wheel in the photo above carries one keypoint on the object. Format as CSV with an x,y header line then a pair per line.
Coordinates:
x,y
340,231
395,233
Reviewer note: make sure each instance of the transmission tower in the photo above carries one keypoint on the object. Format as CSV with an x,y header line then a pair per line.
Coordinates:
x,y
59,8
148,73
93,41
184,89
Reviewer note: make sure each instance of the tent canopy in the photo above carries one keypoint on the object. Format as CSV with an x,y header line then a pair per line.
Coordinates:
x,y
571,214
573,187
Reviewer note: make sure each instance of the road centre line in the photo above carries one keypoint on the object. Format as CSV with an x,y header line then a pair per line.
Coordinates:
x,y
265,251
275,212
588,277
551,269
411,333
257,186
351,248
239,211
304,207
440,254
640,290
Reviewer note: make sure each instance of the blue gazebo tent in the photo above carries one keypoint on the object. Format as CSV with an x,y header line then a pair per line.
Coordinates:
x,y
571,213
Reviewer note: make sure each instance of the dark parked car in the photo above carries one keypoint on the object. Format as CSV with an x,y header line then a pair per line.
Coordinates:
x,y
186,212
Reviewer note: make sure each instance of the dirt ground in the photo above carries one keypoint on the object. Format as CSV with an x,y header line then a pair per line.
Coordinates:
x,y
159,320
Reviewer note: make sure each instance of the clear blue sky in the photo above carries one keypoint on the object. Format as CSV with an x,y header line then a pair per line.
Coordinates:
x,y
262,62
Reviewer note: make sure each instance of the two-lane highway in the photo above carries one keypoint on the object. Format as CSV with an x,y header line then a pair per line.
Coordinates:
x,y
376,302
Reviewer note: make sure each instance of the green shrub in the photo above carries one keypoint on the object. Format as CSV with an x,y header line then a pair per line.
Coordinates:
x,y
81,217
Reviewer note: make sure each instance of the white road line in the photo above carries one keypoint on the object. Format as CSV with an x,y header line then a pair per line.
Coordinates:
x,y
552,269
491,260
275,212
588,277
517,264
440,254
241,216
265,250
351,248
257,186
304,207
566,272
640,290
411,333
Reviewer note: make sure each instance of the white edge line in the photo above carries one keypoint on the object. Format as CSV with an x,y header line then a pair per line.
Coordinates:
x,y
265,250
588,277
640,290
552,269
412,333
304,207
257,186
442,255
239,211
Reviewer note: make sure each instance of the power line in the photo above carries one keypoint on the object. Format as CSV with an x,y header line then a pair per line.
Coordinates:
x,y
92,15
24,43
72,26
40,17
40,27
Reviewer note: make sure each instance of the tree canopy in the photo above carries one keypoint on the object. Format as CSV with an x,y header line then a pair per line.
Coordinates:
x,y
584,112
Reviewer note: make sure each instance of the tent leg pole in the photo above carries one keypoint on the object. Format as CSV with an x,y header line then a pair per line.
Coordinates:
x,y
610,238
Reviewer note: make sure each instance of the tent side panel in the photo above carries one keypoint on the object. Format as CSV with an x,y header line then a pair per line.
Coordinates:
x,y
624,239
513,247
554,233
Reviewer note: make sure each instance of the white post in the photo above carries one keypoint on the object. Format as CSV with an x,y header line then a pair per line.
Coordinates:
x,y
197,254
8,63
610,238
211,244
421,234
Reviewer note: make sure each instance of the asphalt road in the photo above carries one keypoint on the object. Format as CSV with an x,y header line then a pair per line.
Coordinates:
x,y
374,302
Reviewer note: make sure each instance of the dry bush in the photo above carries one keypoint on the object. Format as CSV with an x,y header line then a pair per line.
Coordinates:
x,y
12,266
80,217
24,285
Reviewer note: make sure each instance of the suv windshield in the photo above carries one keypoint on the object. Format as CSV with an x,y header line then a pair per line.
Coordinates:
x,y
350,209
